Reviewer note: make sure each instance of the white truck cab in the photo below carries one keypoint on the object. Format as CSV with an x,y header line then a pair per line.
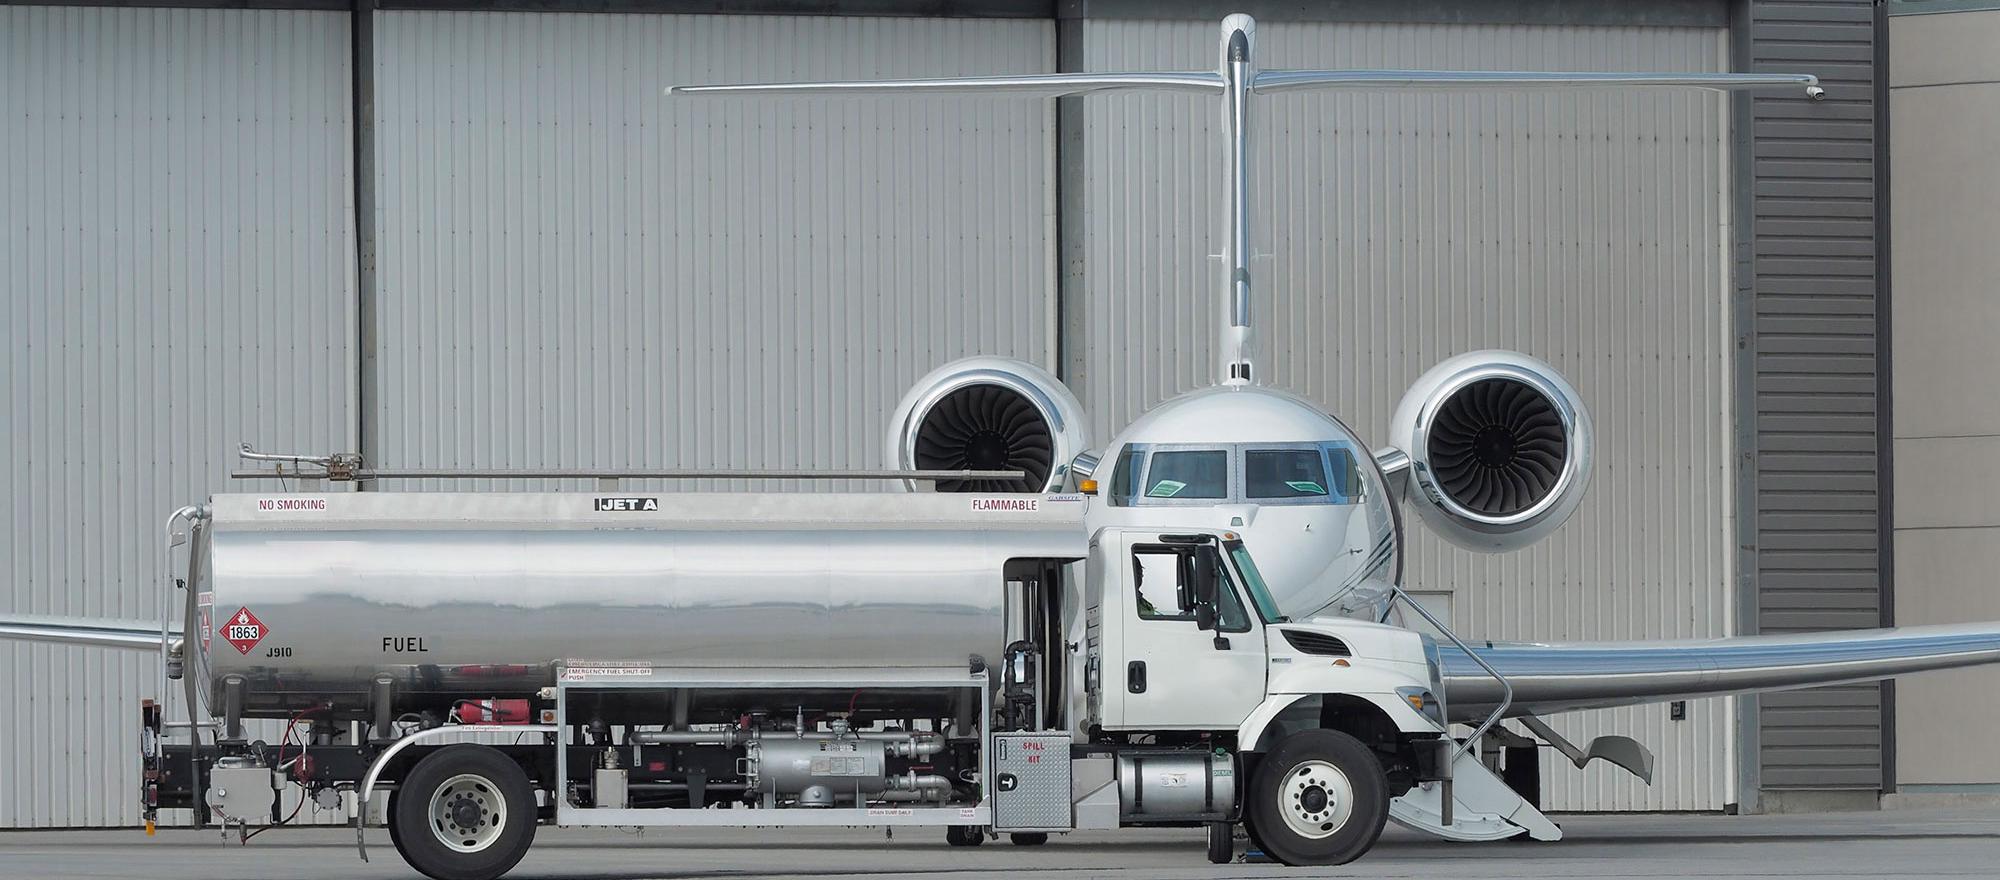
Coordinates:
x,y
1327,720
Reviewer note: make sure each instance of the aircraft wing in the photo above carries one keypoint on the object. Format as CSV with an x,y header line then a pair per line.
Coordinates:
x,y
92,633
1551,678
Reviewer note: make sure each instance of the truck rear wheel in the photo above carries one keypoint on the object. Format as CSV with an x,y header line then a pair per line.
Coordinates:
x,y
1319,798
395,832
964,835
466,812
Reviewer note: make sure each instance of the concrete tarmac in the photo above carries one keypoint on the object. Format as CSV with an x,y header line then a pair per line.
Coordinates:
x,y
1892,844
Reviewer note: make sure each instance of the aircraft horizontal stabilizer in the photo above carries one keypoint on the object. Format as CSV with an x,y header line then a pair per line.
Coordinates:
x,y
1460,80
87,633
1552,678
1031,85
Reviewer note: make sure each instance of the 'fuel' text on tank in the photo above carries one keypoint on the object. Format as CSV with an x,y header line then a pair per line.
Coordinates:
x,y
404,645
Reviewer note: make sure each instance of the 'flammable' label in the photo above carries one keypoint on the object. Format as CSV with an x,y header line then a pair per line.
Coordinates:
x,y
1028,504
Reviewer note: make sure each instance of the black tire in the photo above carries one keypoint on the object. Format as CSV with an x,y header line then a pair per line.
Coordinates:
x,y
469,781
1256,843
1221,843
1295,799
964,835
1028,838
395,833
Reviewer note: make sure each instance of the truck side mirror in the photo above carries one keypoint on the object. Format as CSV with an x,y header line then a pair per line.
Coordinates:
x,y
1204,584
1204,617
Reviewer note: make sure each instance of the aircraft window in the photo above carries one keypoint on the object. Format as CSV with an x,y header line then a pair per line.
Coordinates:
x,y
1194,474
1346,474
1284,473
1125,477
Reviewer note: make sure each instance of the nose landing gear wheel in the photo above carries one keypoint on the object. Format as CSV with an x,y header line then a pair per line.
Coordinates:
x,y
964,835
466,812
1319,798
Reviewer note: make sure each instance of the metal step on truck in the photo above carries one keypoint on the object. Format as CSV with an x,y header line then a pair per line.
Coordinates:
x,y
982,664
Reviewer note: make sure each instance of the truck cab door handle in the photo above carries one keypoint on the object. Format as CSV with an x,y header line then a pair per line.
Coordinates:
x,y
1135,676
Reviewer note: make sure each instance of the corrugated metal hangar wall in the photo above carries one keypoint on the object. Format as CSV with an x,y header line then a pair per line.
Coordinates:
x,y
577,271
559,267
179,274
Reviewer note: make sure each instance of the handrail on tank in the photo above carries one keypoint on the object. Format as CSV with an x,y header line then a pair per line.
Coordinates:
x,y
193,515
347,468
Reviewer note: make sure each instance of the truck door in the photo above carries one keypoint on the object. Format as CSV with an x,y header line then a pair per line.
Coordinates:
x,y
1168,672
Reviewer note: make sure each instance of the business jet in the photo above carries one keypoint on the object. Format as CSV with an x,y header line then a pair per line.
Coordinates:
x,y
1490,449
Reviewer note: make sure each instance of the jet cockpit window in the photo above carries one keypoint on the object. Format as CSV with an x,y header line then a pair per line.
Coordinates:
x,y
1284,473
1345,471
1184,474
1147,475
1125,477
1322,473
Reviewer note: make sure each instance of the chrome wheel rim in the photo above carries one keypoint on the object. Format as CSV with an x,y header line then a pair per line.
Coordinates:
x,y
1316,799
467,813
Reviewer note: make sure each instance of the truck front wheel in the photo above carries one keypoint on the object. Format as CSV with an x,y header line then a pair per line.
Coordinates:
x,y
466,812
1319,798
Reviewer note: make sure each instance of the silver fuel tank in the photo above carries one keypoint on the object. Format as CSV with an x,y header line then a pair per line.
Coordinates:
x,y
310,597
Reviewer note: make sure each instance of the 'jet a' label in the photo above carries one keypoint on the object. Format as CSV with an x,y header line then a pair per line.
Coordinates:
x,y
627,505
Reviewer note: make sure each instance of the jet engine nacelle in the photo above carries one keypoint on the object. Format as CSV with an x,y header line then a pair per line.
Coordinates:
x,y
1497,446
989,413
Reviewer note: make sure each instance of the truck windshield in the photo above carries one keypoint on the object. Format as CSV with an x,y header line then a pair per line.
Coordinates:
x,y
1254,582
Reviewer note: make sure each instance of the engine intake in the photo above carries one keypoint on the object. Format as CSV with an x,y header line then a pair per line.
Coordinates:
x,y
1498,448
989,413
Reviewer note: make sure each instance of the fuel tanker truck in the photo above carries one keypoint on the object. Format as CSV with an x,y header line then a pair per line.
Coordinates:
x,y
473,666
